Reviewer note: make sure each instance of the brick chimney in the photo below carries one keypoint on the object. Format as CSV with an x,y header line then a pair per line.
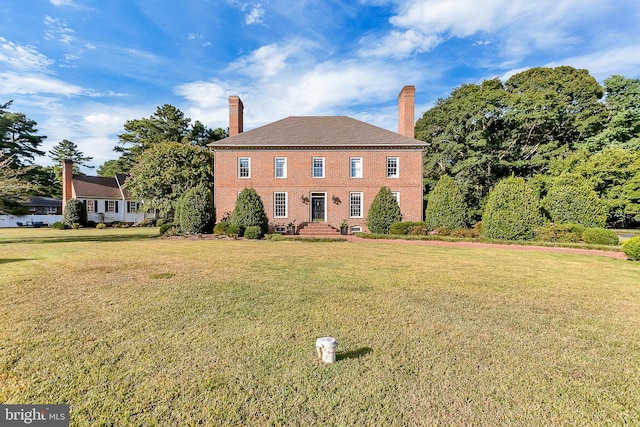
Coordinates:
x,y
67,176
406,104
236,110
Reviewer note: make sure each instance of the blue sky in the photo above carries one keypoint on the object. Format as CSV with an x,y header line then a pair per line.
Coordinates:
x,y
82,68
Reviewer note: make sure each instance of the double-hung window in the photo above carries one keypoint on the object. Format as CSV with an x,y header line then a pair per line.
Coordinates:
x,y
280,167
355,167
355,205
132,207
111,206
244,167
318,167
393,167
91,205
280,205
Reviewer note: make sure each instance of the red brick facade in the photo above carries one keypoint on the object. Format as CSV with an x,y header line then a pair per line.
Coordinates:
x,y
334,196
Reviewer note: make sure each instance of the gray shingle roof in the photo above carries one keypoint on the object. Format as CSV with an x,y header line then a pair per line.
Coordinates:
x,y
317,131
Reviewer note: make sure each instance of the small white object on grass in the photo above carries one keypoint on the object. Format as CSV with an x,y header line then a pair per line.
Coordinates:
x,y
326,349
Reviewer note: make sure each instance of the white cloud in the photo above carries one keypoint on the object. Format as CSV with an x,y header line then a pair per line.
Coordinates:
x,y
36,83
22,57
268,60
62,2
255,16
400,44
57,29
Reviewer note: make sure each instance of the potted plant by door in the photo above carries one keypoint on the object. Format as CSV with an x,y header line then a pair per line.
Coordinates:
x,y
291,227
344,227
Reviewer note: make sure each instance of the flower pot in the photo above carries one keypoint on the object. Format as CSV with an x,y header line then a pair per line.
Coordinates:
x,y
344,231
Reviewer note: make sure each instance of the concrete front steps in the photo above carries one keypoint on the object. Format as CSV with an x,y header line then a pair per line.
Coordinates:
x,y
317,229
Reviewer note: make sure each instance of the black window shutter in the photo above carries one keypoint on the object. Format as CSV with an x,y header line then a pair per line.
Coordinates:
x,y
106,206
96,208
116,203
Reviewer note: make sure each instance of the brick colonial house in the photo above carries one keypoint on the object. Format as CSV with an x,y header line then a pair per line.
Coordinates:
x,y
105,198
320,170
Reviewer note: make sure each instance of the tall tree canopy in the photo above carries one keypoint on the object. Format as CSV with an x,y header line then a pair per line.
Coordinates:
x,y
485,132
18,137
166,170
167,124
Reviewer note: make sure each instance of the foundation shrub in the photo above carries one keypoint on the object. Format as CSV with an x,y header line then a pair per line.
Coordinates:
x,y
600,236
253,232
401,228
383,212
446,206
59,225
233,230
197,213
418,229
631,248
74,212
464,233
563,233
512,211
166,227
220,228
249,211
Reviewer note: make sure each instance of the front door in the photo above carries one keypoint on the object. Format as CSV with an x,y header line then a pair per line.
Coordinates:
x,y
317,207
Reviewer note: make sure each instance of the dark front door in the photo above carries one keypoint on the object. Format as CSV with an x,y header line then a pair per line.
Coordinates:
x,y
317,208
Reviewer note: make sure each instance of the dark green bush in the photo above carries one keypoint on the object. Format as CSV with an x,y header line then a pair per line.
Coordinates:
x,y
165,227
249,210
446,206
197,214
600,236
564,233
402,228
631,248
161,222
512,211
220,228
59,225
383,212
253,232
74,212
572,200
233,230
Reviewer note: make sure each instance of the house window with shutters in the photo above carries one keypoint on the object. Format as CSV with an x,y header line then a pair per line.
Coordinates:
x,y
133,207
111,206
91,205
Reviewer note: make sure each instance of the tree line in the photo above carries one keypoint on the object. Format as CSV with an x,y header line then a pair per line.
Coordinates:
x,y
539,124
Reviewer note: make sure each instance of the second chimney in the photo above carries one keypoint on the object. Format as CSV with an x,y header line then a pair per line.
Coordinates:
x,y
406,105
236,111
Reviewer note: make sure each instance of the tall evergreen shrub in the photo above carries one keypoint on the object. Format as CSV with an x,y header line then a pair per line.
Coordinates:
x,y
383,212
572,200
196,211
512,211
445,206
75,212
249,211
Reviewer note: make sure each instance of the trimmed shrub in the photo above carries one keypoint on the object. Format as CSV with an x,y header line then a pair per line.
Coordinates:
x,y
401,228
512,211
564,233
600,236
74,212
446,206
253,232
418,229
249,211
572,200
165,227
197,213
383,212
161,222
220,228
631,248
101,226
233,230
59,225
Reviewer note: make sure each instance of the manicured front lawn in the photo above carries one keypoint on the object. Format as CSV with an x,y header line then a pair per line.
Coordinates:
x,y
133,330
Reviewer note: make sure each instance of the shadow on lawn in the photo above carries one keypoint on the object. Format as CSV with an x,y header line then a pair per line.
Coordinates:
x,y
8,260
355,354
78,238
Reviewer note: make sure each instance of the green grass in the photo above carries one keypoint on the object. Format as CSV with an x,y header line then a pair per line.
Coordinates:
x,y
129,329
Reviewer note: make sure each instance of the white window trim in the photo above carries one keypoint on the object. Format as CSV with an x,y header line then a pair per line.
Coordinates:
x,y
397,174
91,205
361,204
286,204
111,206
351,159
275,168
356,229
313,161
248,167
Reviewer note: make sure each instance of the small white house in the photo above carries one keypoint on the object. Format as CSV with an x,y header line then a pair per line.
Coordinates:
x,y
105,198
